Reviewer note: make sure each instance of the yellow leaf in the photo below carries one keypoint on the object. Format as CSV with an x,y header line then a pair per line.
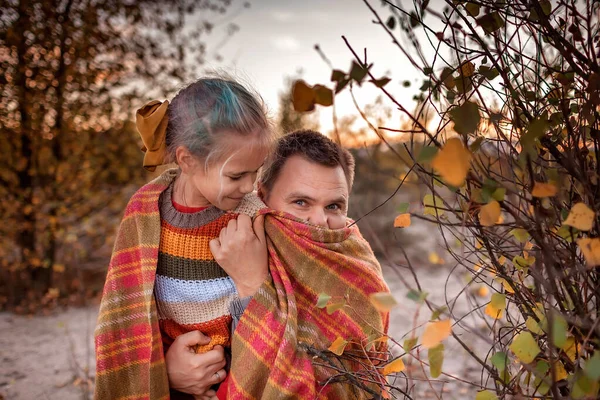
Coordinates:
x,y
402,221
490,213
591,251
572,349
580,217
501,260
338,346
541,189
525,347
483,291
505,285
303,96
560,371
395,366
467,68
433,205
533,326
434,258
59,268
452,162
435,332
383,301
495,307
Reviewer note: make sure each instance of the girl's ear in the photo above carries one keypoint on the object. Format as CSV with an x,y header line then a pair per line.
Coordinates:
x,y
260,191
186,161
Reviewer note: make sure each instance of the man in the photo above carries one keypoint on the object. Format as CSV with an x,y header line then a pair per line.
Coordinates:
x,y
309,177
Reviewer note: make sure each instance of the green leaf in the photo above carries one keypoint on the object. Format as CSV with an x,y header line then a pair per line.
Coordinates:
x,y
323,300
409,344
592,367
380,82
498,300
333,307
341,85
525,347
403,207
499,361
559,330
488,72
472,9
499,194
541,375
448,78
437,312
533,326
584,387
435,356
391,22
485,395
490,22
323,95
426,154
522,262
463,84
476,144
546,10
567,233
537,128
520,234
337,75
433,205
417,296
414,19
466,117
357,72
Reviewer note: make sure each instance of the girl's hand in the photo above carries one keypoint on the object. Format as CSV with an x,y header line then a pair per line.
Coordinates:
x,y
193,373
241,250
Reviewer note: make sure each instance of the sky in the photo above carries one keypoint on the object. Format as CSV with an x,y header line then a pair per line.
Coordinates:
x,y
277,38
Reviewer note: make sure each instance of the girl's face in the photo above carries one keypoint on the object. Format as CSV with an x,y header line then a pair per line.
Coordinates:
x,y
226,181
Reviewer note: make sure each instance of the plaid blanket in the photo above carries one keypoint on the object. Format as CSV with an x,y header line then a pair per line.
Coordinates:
x,y
281,331
129,354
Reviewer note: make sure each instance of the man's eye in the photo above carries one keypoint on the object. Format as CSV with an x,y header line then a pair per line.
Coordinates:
x,y
300,202
334,207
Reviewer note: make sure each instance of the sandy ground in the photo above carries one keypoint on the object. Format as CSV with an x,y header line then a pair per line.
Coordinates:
x,y
52,357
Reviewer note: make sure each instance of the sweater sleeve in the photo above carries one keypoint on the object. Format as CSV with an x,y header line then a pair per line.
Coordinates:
x,y
237,308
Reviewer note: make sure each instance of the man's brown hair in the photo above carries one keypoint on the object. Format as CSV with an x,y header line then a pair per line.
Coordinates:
x,y
311,145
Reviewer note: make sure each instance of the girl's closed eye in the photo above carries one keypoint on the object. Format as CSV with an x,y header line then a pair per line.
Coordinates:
x,y
235,178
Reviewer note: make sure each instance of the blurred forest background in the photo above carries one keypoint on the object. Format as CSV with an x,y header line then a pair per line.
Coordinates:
x,y
72,76
478,193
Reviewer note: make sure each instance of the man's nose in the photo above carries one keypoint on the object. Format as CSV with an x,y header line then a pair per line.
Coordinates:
x,y
319,218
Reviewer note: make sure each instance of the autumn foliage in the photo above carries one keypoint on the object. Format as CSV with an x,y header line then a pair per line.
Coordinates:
x,y
510,167
71,75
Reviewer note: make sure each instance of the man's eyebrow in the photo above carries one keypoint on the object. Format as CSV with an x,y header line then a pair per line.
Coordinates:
x,y
299,195
340,199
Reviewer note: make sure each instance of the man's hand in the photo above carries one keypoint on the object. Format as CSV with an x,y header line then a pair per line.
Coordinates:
x,y
241,250
194,373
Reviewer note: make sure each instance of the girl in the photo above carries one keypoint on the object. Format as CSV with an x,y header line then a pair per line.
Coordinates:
x,y
163,282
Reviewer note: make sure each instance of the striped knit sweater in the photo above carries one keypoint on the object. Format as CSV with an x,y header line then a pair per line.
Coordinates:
x,y
192,291
129,336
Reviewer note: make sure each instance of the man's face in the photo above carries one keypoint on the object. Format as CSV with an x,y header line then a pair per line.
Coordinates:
x,y
312,192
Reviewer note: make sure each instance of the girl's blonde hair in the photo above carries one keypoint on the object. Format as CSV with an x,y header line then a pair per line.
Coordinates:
x,y
210,107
